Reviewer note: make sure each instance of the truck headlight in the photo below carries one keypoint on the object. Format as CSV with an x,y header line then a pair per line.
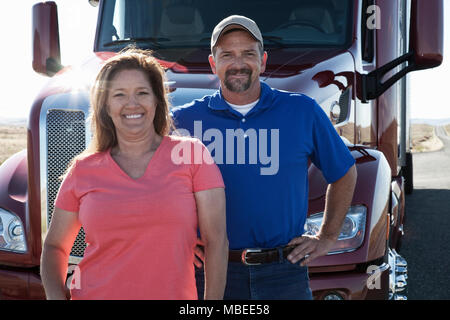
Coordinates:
x,y
352,232
12,236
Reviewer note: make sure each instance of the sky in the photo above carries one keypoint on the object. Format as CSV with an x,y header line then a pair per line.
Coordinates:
x,y
77,23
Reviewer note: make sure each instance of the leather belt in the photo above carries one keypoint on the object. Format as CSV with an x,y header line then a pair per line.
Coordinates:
x,y
258,256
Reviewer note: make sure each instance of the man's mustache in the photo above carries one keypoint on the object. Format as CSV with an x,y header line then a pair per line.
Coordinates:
x,y
233,72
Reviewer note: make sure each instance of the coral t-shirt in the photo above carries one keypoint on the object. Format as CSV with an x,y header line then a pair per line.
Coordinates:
x,y
140,233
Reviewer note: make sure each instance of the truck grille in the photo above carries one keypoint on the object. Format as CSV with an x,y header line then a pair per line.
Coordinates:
x,y
66,134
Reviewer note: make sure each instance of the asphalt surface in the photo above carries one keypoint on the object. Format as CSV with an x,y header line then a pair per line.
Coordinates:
x,y
426,244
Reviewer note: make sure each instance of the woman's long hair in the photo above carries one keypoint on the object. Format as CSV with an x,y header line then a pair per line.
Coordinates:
x,y
103,129
104,134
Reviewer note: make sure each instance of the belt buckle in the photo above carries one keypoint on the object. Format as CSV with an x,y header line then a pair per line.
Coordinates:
x,y
244,257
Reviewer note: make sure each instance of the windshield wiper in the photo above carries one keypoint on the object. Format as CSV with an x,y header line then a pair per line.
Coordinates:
x,y
278,41
153,40
274,40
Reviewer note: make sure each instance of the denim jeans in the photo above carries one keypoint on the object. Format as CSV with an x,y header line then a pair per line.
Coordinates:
x,y
280,280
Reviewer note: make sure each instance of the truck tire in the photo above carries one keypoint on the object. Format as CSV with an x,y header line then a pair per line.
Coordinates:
x,y
407,173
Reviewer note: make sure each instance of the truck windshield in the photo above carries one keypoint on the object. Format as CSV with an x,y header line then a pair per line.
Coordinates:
x,y
165,24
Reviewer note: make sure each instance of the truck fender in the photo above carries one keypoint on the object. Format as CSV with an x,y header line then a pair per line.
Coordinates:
x,y
372,190
14,198
14,183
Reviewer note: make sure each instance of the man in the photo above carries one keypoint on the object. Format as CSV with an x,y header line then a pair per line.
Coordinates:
x,y
246,121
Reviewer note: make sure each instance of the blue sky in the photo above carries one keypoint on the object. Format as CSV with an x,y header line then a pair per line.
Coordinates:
x,y
77,22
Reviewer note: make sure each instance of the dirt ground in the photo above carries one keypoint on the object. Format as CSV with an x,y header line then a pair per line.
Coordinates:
x,y
12,139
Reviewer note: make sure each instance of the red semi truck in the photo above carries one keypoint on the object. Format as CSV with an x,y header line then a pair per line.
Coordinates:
x,y
352,57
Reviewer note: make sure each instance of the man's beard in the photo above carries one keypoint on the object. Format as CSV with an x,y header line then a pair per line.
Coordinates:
x,y
238,85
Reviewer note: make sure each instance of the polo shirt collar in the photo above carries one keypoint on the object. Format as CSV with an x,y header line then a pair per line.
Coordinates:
x,y
217,101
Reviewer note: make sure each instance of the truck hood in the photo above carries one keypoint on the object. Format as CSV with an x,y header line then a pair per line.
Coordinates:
x,y
76,78
282,62
287,69
292,69
320,73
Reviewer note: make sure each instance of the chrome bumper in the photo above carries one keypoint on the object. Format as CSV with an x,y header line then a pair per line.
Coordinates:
x,y
398,276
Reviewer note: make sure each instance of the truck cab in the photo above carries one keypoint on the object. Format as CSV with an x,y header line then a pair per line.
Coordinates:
x,y
352,57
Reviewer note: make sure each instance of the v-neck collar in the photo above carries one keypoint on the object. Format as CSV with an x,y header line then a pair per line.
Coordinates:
x,y
149,164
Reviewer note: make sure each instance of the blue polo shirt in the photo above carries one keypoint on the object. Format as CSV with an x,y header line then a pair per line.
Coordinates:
x,y
263,158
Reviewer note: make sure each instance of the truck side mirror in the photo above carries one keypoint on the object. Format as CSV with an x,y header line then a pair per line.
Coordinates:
x,y
426,33
46,50
425,48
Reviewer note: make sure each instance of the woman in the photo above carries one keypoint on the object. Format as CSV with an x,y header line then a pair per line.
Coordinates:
x,y
139,208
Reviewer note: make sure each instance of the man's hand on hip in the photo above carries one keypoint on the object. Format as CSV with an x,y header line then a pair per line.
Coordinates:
x,y
338,199
309,248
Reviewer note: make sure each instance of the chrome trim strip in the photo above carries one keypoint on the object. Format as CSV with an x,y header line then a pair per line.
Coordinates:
x,y
382,268
74,260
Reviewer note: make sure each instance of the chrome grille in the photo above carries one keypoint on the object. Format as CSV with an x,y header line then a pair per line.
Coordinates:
x,y
65,139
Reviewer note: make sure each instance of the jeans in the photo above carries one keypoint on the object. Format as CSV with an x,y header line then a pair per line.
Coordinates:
x,y
270,281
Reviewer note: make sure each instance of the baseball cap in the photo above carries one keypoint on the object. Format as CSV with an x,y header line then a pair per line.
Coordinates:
x,y
236,21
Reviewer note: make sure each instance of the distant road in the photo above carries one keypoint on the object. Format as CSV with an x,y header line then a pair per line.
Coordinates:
x,y
432,170
426,245
13,121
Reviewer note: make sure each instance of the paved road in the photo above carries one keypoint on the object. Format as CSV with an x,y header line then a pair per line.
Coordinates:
x,y
426,245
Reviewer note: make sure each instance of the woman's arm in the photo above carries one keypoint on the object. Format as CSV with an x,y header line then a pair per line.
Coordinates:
x,y
212,223
62,232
